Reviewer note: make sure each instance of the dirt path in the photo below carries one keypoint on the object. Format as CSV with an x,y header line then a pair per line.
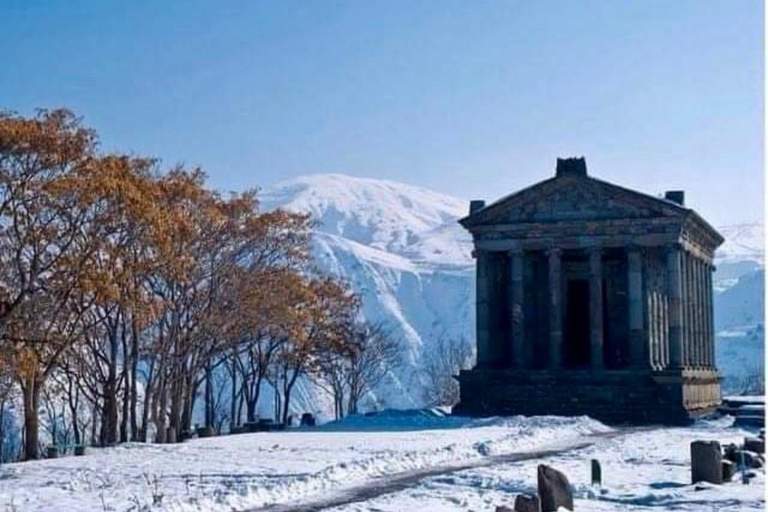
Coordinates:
x,y
401,481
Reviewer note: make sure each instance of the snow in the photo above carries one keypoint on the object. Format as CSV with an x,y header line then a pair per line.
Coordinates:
x,y
643,469
251,470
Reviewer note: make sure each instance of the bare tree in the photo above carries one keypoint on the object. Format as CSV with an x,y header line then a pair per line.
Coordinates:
x,y
442,364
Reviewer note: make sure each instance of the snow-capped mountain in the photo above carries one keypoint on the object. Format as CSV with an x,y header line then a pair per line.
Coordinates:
x,y
401,248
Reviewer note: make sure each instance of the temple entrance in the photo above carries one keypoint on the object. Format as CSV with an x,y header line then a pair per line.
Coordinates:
x,y
576,335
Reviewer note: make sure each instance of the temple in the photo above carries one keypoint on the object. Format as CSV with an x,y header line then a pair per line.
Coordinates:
x,y
592,299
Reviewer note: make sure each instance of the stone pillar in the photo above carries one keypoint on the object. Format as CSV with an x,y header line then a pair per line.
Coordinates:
x,y
686,297
555,309
701,288
596,306
675,320
637,349
695,305
516,261
483,309
710,318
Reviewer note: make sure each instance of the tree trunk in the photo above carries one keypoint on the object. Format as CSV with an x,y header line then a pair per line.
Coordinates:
x,y
31,395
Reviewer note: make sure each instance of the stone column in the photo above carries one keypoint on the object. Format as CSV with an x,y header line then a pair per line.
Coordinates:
x,y
675,320
555,309
701,287
708,294
596,306
695,305
483,309
516,261
637,347
686,297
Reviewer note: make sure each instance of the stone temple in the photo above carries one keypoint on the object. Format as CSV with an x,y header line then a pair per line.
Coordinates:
x,y
592,299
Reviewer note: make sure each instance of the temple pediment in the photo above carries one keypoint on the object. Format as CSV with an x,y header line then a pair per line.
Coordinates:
x,y
571,198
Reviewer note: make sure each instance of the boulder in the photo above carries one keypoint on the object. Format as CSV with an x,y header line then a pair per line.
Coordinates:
x,y
526,503
754,444
706,462
554,489
729,469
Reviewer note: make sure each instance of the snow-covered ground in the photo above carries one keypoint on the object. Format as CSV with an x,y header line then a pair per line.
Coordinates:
x,y
642,471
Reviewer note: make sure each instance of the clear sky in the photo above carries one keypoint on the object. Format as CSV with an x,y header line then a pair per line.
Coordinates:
x,y
471,98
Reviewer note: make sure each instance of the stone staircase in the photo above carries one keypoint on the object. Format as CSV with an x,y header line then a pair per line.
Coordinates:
x,y
749,411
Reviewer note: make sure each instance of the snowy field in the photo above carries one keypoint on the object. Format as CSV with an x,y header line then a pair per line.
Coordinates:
x,y
645,470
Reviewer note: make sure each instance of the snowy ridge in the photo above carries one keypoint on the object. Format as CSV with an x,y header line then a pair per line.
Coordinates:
x,y
743,242
378,213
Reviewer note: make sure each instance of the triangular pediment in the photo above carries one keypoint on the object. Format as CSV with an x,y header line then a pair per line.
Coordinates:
x,y
572,198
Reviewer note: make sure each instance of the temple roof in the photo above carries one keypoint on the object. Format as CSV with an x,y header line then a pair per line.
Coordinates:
x,y
573,195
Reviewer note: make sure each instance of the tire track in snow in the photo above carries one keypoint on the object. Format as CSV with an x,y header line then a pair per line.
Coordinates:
x,y
407,479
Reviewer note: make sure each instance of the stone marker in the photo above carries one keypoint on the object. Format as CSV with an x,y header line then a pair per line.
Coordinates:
x,y
729,469
597,473
706,462
754,444
526,503
554,489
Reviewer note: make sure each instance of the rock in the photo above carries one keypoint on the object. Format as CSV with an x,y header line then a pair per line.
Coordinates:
x,y
730,452
504,508
706,462
554,489
52,452
203,432
308,420
753,444
745,457
597,473
729,469
526,503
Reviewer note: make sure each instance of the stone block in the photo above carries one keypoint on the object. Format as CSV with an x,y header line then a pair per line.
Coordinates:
x,y
706,462
729,469
554,489
754,444
526,503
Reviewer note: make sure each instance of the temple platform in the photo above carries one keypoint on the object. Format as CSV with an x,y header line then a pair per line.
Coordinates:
x,y
613,396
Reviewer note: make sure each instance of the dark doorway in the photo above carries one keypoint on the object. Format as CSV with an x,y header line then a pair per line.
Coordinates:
x,y
577,323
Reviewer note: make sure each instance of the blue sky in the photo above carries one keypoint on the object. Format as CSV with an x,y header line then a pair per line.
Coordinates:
x,y
475,99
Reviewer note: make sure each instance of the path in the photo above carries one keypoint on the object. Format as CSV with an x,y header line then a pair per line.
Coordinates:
x,y
401,481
